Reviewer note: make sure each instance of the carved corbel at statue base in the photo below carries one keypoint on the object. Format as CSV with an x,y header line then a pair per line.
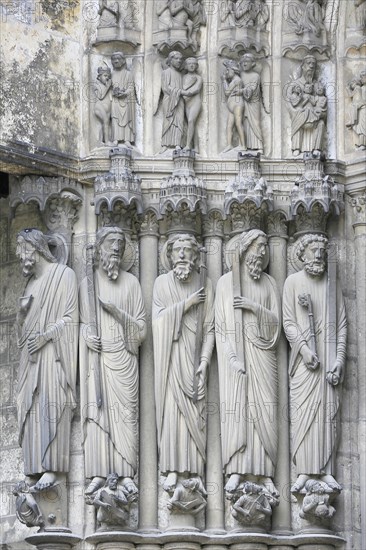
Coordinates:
x,y
53,541
122,37
113,499
188,498
45,508
252,503
315,501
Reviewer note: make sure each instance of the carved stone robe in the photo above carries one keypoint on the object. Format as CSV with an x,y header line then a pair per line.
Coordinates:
x,y
173,108
314,402
248,402
110,432
46,387
123,109
252,109
180,421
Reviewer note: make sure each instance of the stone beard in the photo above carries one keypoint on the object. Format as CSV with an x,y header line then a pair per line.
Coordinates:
x,y
248,401
313,398
110,432
180,421
47,377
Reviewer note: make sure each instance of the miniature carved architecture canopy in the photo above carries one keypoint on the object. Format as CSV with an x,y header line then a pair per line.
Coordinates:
x,y
181,347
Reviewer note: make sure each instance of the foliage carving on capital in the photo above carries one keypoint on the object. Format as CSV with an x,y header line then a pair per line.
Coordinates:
x,y
277,224
148,223
213,224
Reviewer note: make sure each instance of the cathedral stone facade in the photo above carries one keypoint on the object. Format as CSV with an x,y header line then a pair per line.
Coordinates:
x,y
183,274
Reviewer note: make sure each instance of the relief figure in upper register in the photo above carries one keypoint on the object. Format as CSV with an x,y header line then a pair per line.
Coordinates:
x,y
245,13
112,328
315,325
124,99
183,332
103,104
305,16
308,107
188,14
356,89
48,338
248,325
182,101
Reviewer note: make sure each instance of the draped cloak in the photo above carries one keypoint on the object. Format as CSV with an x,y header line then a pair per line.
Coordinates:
x,y
180,421
173,108
47,378
123,108
314,402
252,109
110,432
248,402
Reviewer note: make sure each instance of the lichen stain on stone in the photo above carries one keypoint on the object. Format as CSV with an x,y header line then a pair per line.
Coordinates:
x,y
60,12
41,104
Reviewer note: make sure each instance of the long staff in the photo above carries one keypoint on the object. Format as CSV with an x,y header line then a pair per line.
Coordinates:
x,y
95,357
199,332
239,335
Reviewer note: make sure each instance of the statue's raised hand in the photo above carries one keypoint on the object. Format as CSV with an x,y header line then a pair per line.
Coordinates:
x,y
194,299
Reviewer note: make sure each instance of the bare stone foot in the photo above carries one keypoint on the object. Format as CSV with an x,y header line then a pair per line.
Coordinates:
x,y
296,152
228,148
331,482
95,484
299,483
233,483
46,481
170,482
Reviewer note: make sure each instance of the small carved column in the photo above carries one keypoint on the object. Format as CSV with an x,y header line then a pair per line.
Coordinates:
x,y
148,504
359,205
277,237
212,238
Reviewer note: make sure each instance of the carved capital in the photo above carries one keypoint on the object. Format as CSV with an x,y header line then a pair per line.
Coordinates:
x,y
62,211
358,203
148,224
277,224
213,224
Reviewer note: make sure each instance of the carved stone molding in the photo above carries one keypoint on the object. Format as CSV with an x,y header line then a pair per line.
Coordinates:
x,y
248,197
117,23
315,196
118,193
178,26
59,200
304,29
243,28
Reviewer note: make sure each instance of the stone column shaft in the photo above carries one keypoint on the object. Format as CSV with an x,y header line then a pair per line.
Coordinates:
x,y
214,478
281,519
148,479
360,249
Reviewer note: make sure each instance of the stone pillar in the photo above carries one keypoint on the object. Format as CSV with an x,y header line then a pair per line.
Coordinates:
x,y
359,204
148,480
281,518
212,236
